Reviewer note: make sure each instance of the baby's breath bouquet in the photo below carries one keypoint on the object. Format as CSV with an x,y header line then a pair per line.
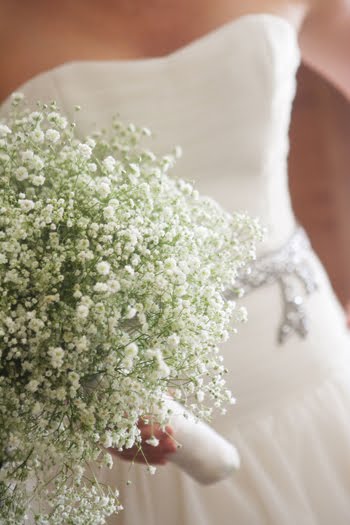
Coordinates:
x,y
112,281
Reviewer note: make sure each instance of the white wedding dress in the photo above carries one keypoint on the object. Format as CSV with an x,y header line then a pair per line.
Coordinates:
x,y
226,99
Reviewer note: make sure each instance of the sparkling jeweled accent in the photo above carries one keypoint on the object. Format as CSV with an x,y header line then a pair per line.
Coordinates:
x,y
288,266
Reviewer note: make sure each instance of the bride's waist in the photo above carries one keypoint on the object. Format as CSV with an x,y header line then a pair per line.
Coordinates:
x,y
296,331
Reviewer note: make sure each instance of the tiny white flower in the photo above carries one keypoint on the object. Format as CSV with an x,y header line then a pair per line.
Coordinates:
x,y
21,173
101,287
38,180
109,163
27,155
56,118
108,212
242,314
86,255
200,396
173,341
82,311
83,244
108,460
153,441
163,370
91,142
32,386
74,379
131,350
35,116
129,269
37,163
114,285
178,152
127,363
62,122
37,408
103,268
52,135
225,336
60,392
153,353
92,167
85,151
107,440
103,189
82,344
57,355
37,135
17,97
170,263
53,116
4,130
26,204
4,157
36,324
151,469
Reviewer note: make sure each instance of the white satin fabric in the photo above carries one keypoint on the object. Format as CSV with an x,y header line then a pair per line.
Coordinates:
x,y
226,99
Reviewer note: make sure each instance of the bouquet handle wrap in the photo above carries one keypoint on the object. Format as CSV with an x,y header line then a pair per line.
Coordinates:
x,y
204,454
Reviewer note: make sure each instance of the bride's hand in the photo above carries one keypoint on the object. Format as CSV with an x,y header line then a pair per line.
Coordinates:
x,y
153,455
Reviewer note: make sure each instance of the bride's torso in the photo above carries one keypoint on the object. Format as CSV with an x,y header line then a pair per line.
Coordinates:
x,y
231,72
226,99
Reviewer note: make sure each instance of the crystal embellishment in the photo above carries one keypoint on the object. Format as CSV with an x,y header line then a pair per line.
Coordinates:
x,y
290,268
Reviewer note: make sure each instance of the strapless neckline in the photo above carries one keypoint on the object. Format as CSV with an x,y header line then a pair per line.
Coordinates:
x,y
194,47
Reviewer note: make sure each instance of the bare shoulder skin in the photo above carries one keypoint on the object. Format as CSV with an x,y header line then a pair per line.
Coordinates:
x,y
325,41
38,36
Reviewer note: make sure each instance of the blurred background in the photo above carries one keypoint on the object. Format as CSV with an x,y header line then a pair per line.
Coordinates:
x,y
319,166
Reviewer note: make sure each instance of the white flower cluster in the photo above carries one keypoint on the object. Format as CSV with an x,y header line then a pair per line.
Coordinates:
x,y
112,281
